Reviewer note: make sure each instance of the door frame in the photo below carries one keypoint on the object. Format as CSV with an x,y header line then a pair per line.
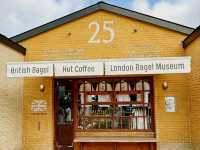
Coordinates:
x,y
74,112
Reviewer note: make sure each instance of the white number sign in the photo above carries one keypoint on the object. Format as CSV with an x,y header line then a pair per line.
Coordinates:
x,y
93,38
106,28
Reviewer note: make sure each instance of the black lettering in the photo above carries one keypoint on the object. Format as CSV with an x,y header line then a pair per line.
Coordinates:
x,y
160,66
67,68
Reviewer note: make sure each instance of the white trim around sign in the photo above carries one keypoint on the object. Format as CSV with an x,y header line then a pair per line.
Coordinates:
x,y
29,69
79,69
148,66
99,67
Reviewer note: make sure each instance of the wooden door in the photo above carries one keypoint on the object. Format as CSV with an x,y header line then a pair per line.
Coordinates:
x,y
98,146
135,146
64,119
118,146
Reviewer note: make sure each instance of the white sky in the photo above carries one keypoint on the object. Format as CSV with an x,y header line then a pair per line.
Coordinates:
x,y
18,16
185,12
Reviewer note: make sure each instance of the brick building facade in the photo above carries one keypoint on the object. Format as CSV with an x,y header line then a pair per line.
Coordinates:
x,y
103,32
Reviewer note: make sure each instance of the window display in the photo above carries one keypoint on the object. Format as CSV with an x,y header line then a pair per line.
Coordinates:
x,y
115,104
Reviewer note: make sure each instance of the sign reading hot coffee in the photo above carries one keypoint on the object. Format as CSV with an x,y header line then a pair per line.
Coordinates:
x,y
29,69
79,68
149,66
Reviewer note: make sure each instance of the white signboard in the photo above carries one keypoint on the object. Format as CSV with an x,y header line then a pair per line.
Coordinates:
x,y
38,106
149,66
159,65
22,69
170,105
88,68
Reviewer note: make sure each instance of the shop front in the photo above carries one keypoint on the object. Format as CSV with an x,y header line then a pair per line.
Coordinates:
x,y
103,105
98,103
105,78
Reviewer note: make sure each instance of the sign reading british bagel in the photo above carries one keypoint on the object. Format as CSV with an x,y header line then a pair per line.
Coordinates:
x,y
30,69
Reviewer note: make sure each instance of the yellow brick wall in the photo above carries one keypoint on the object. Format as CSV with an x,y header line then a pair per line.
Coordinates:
x,y
11,95
194,50
70,41
37,128
173,129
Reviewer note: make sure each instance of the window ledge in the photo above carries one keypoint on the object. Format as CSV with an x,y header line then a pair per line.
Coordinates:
x,y
114,139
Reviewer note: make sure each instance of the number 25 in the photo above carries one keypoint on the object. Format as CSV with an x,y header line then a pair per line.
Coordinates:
x,y
106,27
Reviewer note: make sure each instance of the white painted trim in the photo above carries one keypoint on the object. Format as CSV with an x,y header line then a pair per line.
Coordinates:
x,y
103,69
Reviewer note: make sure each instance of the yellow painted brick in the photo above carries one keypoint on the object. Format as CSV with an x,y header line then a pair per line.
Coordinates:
x,y
194,87
11,95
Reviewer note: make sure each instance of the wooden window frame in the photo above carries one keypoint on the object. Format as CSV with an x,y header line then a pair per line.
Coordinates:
x,y
114,102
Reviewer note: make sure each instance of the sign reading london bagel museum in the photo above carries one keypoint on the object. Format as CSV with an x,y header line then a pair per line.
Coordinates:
x,y
28,69
159,65
86,68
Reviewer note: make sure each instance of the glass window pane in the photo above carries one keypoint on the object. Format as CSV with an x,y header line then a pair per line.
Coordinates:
x,y
139,114
133,123
81,98
104,110
122,123
102,86
98,110
104,98
88,110
131,85
133,97
140,122
123,98
146,97
139,85
92,98
117,86
99,98
139,97
124,86
81,87
88,87
100,123
148,118
146,85
105,123
64,106
109,86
